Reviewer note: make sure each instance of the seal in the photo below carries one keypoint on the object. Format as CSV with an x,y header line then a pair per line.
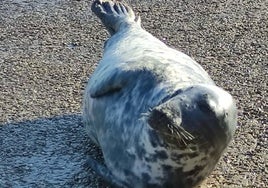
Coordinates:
x,y
156,114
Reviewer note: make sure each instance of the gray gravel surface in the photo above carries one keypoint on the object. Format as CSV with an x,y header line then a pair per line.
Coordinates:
x,y
49,48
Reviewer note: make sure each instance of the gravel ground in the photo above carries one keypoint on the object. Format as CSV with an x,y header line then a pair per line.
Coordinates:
x,y
49,48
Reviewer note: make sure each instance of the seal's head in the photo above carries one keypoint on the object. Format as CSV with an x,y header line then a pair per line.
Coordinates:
x,y
195,126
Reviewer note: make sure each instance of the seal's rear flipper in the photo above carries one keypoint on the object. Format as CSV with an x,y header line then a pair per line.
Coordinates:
x,y
103,171
114,14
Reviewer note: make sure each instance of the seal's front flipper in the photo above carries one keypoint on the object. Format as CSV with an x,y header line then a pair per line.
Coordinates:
x,y
103,171
108,83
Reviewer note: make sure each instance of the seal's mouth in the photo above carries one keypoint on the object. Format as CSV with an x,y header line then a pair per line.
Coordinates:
x,y
168,125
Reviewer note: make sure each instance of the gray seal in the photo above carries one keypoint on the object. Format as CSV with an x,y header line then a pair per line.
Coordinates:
x,y
157,116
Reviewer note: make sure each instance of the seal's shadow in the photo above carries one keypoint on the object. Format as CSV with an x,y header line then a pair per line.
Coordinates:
x,y
47,152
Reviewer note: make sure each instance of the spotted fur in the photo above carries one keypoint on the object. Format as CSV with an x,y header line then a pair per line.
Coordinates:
x,y
156,114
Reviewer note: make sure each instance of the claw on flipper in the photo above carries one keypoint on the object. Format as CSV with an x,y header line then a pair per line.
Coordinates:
x,y
114,14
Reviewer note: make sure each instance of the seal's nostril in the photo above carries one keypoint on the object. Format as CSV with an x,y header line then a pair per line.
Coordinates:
x,y
205,107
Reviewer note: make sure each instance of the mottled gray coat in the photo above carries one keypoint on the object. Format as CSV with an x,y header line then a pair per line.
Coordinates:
x,y
156,114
